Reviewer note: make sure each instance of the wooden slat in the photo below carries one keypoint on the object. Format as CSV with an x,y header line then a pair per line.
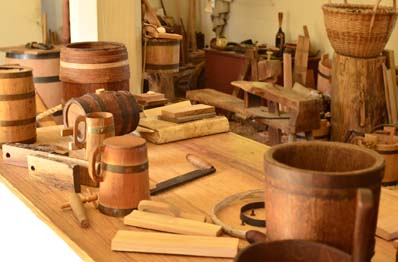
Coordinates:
x,y
171,224
148,242
188,111
287,70
301,60
387,222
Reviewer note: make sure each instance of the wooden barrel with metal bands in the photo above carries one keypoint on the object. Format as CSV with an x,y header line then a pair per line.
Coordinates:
x,y
162,56
121,104
88,66
17,105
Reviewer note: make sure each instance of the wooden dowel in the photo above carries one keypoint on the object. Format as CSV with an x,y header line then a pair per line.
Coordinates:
x,y
78,210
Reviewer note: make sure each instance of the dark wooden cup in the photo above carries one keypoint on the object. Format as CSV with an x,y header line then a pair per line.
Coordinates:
x,y
123,176
311,192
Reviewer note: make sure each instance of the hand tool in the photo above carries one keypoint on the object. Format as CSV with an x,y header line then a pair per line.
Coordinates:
x,y
205,168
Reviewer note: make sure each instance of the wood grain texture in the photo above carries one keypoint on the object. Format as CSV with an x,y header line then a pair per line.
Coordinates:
x,y
357,92
387,223
148,242
239,163
188,111
171,224
301,60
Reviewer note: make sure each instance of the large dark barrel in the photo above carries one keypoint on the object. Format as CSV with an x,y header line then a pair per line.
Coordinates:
x,y
88,66
17,105
311,189
121,104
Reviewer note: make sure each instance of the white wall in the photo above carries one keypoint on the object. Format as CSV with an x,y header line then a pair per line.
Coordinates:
x,y
83,20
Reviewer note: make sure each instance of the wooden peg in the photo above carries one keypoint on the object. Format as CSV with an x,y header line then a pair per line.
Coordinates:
x,y
78,210
84,199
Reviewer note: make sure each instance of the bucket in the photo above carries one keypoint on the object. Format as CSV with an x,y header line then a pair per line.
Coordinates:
x,y
162,55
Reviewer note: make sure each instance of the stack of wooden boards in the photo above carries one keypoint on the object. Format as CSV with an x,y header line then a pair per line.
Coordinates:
x,y
191,237
181,121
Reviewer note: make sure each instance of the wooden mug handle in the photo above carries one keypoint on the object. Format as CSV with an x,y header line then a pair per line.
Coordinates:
x,y
82,143
95,174
363,220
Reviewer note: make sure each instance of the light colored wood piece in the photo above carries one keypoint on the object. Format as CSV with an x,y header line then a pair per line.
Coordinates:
x,y
55,173
301,60
158,111
185,119
166,132
387,93
44,28
188,111
161,243
68,131
171,224
287,70
149,97
387,222
78,210
168,209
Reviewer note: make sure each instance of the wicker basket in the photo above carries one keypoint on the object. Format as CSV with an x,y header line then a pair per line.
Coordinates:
x,y
359,30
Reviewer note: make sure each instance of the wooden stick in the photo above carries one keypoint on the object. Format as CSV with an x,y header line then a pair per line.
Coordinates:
x,y
287,70
78,210
44,27
193,27
171,224
84,199
387,93
161,243
65,35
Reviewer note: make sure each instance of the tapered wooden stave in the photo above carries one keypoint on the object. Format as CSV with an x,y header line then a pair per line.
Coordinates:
x,y
17,105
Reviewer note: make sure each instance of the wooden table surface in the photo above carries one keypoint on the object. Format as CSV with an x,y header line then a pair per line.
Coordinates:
x,y
239,164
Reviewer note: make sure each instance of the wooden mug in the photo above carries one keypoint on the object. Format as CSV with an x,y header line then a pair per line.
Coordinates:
x,y
123,174
98,126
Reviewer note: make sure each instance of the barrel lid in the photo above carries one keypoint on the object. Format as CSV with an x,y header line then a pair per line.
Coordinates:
x,y
94,46
124,142
14,71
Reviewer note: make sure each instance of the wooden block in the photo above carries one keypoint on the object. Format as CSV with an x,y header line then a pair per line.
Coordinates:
x,y
387,222
167,209
185,119
287,71
161,243
56,173
387,94
149,97
171,224
301,60
158,111
188,111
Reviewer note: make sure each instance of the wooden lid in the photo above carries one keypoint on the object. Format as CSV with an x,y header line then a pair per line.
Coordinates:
x,y
124,142
94,46
15,71
32,53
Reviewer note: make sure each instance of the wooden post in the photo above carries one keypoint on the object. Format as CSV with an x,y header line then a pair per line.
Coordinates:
x,y
358,98
65,38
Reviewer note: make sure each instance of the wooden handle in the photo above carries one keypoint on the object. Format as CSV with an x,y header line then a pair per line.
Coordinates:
x,y
362,234
67,131
280,19
84,199
78,209
82,143
95,173
198,162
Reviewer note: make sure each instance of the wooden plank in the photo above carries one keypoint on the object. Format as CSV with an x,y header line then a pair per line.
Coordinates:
x,y
188,111
148,242
171,224
287,70
148,97
185,119
390,61
387,93
55,173
301,60
387,222
158,111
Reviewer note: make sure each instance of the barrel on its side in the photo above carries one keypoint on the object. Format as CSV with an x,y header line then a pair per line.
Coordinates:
x,y
121,104
17,105
125,172
311,190
88,66
162,56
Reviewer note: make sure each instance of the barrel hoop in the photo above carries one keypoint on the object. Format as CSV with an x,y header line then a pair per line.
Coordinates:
x,y
163,43
136,109
115,212
46,79
93,66
17,96
162,67
21,122
124,111
98,101
86,106
31,56
125,169
324,76
101,130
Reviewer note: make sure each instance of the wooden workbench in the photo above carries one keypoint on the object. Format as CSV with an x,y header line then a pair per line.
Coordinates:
x,y
239,163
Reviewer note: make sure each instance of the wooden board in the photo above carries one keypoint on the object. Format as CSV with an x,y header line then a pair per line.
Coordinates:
x,y
239,163
301,60
387,223
149,242
158,111
185,119
188,111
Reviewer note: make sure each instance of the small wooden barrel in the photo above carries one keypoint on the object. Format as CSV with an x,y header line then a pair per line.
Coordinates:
x,y
162,56
45,65
121,104
17,105
88,66
311,187
124,179
291,251
98,125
